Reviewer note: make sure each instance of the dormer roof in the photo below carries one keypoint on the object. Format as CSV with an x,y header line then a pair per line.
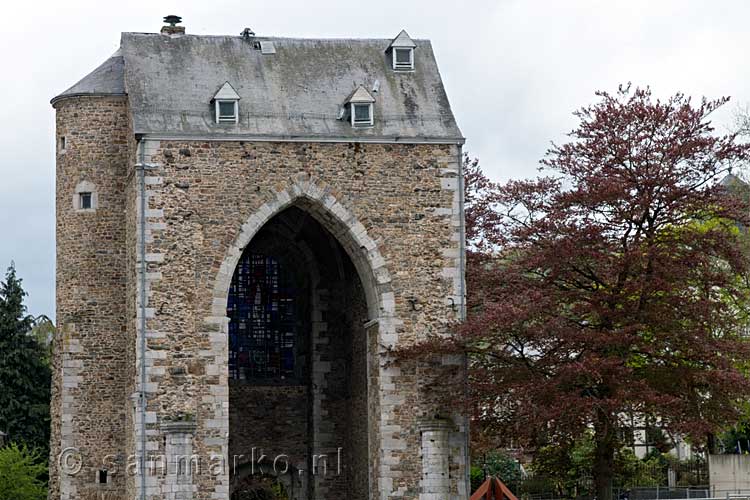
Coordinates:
x,y
226,93
402,40
360,95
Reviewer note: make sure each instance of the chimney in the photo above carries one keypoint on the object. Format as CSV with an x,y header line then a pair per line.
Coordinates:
x,y
171,27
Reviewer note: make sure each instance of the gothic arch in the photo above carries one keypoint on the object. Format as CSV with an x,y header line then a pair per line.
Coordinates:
x,y
317,200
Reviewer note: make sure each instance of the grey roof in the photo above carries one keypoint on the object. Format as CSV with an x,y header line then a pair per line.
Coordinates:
x,y
402,40
732,181
107,79
295,93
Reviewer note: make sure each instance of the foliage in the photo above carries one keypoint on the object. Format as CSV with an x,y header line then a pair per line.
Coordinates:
x,y
24,371
632,472
614,285
737,439
567,469
43,332
22,473
566,466
498,464
476,477
658,439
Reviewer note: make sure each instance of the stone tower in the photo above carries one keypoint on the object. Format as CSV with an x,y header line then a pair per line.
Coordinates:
x,y
247,227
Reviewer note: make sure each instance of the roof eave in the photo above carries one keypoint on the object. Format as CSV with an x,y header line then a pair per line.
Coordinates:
x,y
459,140
63,97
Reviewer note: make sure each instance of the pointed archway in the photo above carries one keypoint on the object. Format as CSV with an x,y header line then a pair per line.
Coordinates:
x,y
318,367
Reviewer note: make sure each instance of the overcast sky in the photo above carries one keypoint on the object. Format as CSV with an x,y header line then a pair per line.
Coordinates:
x,y
514,72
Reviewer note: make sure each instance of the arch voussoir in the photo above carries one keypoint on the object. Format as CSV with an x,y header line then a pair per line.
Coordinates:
x,y
319,200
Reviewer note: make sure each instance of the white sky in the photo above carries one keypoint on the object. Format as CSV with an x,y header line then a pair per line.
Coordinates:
x,y
514,72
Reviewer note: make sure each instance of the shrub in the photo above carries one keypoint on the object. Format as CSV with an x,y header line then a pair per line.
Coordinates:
x,y
21,473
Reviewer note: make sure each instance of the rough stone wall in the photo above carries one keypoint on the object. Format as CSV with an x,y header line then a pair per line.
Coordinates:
x,y
357,429
88,411
404,199
394,208
271,419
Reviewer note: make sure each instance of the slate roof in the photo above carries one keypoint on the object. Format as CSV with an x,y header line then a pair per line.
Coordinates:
x,y
732,181
295,93
107,79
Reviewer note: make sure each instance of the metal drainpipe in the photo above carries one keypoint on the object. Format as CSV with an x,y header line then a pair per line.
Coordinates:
x,y
462,298
141,167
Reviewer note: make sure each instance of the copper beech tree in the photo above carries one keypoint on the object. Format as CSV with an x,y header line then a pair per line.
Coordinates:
x,y
616,284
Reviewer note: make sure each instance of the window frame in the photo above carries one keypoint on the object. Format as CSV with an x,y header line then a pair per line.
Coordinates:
x,y
85,188
227,119
397,66
362,123
85,195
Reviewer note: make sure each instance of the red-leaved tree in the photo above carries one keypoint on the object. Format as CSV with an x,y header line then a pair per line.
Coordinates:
x,y
614,285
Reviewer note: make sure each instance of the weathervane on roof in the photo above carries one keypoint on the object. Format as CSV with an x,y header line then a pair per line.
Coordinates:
x,y
172,20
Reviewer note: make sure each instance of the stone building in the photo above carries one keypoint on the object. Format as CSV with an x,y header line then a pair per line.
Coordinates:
x,y
247,228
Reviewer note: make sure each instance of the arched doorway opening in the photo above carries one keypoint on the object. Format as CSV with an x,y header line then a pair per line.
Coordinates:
x,y
298,363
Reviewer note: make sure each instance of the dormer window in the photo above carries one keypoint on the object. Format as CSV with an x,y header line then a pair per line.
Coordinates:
x,y
227,104
403,59
361,108
226,111
362,115
401,51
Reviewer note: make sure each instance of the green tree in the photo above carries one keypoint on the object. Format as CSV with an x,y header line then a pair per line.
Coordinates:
x,y
497,464
22,473
43,332
24,373
566,466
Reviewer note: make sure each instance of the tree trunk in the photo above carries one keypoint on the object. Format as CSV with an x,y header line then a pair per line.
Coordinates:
x,y
711,443
604,456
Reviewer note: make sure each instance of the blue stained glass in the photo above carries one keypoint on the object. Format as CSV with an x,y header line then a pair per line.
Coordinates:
x,y
262,320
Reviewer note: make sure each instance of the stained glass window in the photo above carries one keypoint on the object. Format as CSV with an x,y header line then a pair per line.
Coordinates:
x,y
262,320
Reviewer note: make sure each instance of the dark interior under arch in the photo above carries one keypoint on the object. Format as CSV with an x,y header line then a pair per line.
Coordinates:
x,y
297,364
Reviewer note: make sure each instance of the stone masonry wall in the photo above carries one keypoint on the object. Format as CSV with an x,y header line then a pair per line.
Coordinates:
x,y
405,204
357,425
88,410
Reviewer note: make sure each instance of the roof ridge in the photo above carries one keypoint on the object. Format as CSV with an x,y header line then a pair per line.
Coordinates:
x,y
263,37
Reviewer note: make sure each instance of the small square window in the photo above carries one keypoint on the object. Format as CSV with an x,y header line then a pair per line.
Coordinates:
x,y
362,114
85,201
403,59
227,111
